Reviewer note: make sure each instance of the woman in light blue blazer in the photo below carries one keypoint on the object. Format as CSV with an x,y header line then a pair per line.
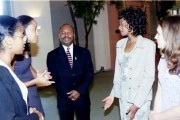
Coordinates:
x,y
134,68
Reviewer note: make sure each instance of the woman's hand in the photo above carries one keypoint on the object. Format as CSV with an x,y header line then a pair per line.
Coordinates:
x,y
33,110
108,102
153,115
43,79
132,111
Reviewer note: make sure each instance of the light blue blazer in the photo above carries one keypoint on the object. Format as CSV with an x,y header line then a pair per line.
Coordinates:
x,y
141,71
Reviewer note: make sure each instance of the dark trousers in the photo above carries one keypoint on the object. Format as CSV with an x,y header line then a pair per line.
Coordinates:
x,y
80,107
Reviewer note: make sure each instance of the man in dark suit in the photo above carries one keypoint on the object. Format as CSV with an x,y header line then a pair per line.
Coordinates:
x,y
72,70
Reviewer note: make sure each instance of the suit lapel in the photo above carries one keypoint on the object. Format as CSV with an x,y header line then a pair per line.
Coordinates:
x,y
76,57
10,83
63,57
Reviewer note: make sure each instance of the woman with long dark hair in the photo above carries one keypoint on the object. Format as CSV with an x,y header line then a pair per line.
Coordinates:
x,y
23,68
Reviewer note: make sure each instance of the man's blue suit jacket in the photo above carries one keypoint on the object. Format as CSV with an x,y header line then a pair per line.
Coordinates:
x,y
78,78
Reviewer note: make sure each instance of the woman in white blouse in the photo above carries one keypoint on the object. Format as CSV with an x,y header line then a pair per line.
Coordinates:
x,y
167,100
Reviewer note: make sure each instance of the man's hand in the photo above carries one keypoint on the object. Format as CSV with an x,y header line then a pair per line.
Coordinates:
x,y
73,95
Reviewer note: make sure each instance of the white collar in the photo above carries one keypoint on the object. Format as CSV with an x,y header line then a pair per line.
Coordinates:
x,y
65,47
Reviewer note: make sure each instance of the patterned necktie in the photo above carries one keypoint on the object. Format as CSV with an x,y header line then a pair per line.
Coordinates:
x,y
69,57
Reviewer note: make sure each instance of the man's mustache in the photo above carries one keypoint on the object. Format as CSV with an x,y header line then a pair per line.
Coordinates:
x,y
66,38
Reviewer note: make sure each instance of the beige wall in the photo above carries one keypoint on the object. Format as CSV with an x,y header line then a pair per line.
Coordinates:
x,y
40,10
101,41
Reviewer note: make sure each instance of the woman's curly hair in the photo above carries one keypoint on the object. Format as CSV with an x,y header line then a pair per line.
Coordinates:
x,y
171,33
136,19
